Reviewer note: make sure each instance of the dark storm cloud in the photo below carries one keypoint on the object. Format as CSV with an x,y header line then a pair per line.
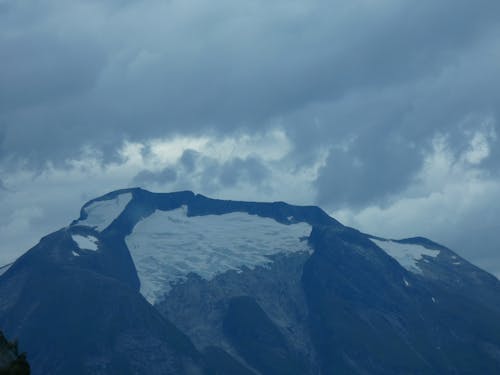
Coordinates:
x,y
42,71
356,177
95,74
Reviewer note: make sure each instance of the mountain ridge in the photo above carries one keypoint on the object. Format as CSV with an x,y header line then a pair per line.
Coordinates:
x,y
324,296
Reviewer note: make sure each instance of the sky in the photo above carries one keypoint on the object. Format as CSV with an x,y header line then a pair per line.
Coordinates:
x,y
383,112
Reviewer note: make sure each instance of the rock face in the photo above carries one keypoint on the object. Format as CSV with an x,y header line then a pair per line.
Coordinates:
x,y
178,283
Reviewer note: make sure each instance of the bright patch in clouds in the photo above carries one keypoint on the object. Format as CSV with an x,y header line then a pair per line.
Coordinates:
x,y
479,146
272,145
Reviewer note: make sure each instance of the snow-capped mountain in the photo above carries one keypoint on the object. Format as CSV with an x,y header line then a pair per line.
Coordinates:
x,y
179,283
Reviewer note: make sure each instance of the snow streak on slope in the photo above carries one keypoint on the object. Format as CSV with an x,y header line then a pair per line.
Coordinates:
x,y
407,255
168,245
101,214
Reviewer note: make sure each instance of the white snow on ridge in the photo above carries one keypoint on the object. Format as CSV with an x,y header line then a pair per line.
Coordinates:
x,y
408,255
85,242
101,214
168,245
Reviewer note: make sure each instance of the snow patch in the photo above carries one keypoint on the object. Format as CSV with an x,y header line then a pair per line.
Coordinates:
x,y
457,263
101,214
407,255
433,300
406,282
168,245
75,254
85,242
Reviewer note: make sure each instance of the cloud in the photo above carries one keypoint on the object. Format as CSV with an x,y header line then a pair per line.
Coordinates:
x,y
243,166
91,73
250,170
357,176
215,173
188,159
452,199
162,177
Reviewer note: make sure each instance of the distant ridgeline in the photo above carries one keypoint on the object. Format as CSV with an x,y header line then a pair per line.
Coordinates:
x,y
11,361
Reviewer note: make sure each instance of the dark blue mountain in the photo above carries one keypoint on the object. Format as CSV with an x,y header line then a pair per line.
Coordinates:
x,y
179,283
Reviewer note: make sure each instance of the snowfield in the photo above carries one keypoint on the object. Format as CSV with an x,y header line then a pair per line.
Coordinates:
x,y
168,245
101,214
407,255
85,242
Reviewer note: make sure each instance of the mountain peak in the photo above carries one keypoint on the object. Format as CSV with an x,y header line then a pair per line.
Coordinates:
x,y
176,283
100,212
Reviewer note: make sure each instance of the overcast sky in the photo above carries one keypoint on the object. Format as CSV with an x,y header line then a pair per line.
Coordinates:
x,y
383,112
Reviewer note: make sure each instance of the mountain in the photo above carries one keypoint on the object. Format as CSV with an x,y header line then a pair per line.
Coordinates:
x,y
178,283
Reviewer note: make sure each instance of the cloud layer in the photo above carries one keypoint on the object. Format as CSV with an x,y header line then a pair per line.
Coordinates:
x,y
384,112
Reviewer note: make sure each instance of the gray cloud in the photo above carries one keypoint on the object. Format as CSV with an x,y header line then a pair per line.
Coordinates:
x,y
189,159
194,168
145,177
44,72
250,170
359,176
145,69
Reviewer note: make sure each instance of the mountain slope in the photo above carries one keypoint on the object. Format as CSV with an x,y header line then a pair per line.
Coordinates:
x,y
75,318
180,283
383,319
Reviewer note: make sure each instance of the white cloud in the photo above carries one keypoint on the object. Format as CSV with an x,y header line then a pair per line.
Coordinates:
x,y
479,145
